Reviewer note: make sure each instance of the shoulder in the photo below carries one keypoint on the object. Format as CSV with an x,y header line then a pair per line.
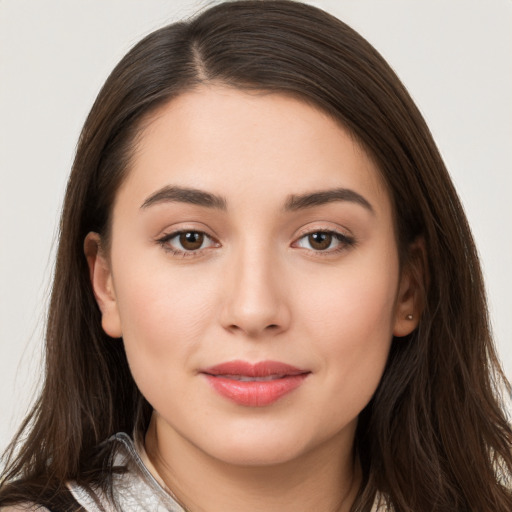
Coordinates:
x,y
132,486
381,504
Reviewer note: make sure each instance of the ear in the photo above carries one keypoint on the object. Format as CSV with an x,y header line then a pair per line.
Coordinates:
x,y
412,290
102,285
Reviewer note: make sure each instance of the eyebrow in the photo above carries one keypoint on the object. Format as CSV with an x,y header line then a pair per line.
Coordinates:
x,y
173,194
170,194
309,200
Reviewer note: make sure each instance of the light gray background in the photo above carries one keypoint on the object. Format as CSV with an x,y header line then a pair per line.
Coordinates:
x,y
455,58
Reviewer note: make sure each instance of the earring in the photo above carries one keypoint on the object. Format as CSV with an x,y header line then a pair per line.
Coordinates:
x,y
409,317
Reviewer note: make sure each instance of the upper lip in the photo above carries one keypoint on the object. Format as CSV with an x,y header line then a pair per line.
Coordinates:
x,y
260,369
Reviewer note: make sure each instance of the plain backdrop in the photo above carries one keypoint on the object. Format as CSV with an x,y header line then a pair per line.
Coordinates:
x,y
454,57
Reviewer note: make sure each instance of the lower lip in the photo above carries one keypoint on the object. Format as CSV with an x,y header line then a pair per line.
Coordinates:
x,y
255,393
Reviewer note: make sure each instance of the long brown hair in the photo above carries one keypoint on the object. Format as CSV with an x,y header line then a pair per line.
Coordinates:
x,y
434,436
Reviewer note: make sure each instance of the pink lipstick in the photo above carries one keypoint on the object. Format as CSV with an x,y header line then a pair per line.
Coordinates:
x,y
254,385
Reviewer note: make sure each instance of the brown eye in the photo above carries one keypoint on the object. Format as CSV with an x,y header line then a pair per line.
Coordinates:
x,y
320,241
327,242
191,240
187,243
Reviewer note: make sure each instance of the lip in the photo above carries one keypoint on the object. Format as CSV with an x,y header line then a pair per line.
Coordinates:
x,y
254,385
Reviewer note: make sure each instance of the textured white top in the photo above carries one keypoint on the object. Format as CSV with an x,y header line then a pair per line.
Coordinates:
x,y
139,489
136,490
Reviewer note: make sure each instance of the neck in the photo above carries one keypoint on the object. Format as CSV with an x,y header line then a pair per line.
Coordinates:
x,y
326,479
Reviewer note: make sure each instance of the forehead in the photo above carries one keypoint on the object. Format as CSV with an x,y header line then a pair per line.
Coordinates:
x,y
236,143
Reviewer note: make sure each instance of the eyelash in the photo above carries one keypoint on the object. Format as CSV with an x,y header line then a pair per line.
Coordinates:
x,y
345,242
165,240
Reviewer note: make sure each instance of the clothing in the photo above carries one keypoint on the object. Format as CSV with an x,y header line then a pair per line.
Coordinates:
x,y
139,489
136,490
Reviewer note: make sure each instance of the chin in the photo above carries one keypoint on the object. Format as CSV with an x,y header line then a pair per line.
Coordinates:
x,y
265,446
257,454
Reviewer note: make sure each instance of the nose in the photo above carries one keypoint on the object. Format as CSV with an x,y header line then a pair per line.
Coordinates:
x,y
255,302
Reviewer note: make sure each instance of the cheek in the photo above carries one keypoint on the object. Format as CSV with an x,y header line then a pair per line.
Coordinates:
x,y
356,300
163,315
351,317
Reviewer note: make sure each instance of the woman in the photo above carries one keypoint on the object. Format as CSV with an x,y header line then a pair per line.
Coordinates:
x,y
266,278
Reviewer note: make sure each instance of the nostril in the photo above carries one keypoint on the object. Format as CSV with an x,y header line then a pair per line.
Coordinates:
x,y
270,327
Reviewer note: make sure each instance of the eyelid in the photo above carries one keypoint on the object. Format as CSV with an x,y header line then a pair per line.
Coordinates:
x,y
164,239
346,240
324,227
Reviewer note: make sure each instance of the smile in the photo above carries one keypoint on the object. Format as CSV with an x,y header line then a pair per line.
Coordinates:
x,y
254,385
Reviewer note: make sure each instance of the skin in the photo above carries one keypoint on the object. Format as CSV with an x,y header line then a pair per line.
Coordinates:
x,y
257,289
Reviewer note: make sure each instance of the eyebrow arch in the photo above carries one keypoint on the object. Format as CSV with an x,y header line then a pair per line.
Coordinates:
x,y
169,194
309,200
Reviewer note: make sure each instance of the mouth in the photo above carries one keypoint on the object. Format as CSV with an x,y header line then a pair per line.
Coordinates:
x,y
254,385
245,378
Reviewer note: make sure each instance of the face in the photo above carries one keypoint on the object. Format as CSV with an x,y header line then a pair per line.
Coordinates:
x,y
253,276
